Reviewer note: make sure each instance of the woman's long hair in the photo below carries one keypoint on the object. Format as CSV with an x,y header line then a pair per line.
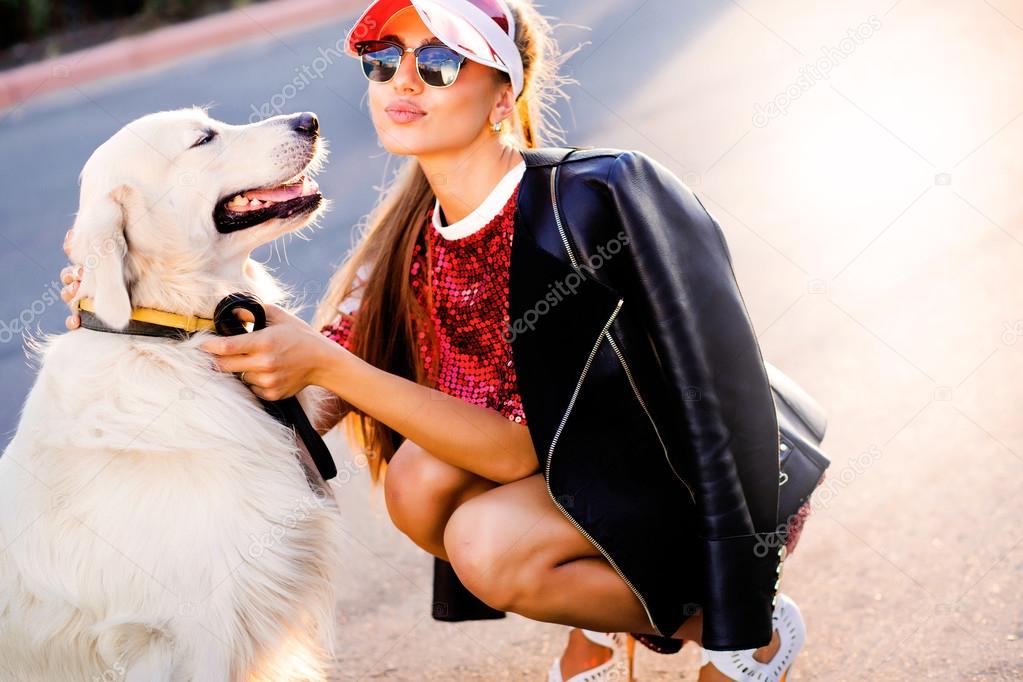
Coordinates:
x,y
384,329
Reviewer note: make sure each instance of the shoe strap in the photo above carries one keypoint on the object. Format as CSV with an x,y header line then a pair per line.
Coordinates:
x,y
740,664
601,638
554,672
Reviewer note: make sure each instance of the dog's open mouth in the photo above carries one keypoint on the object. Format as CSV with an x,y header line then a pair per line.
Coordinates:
x,y
256,206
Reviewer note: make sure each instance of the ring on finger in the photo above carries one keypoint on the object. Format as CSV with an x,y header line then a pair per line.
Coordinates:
x,y
242,377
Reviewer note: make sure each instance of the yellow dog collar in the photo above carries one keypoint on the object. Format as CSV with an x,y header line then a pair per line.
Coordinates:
x,y
189,323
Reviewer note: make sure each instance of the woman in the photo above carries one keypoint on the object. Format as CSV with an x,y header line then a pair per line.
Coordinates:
x,y
466,344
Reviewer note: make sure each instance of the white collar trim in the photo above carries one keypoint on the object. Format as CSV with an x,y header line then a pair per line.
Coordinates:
x,y
485,212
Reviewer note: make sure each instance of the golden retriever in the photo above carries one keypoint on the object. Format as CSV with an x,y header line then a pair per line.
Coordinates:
x,y
155,521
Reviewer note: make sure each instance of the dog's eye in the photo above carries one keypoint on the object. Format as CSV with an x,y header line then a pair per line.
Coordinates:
x,y
205,139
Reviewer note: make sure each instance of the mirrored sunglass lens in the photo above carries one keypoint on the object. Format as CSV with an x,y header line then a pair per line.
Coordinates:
x,y
380,63
438,66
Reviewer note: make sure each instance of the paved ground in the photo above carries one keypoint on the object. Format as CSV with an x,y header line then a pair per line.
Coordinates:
x,y
876,225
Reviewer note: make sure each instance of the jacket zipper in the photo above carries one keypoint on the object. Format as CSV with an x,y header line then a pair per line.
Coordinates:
x,y
557,217
642,403
550,453
614,346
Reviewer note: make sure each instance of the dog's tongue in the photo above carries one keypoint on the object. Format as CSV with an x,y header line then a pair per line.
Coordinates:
x,y
287,192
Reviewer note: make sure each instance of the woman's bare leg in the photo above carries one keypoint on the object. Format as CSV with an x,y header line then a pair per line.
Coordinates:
x,y
422,492
514,549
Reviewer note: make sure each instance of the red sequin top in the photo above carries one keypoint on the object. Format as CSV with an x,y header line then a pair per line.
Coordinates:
x,y
468,277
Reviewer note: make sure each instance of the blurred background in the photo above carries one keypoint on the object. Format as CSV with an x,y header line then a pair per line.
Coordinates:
x,y
34,29
864,159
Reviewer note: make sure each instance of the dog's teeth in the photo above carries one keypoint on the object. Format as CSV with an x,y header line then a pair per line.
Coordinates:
x,y
254,202
239,200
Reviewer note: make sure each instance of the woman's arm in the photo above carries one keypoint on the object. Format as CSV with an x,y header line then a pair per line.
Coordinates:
x,y
289,355
473,438
504,447
468,436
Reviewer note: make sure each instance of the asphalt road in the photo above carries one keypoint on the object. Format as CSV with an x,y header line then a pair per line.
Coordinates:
x,y
863,160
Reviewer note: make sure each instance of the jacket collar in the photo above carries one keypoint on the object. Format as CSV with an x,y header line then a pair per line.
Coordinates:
x,y
554,156
536,232
531,238
536,236
545,156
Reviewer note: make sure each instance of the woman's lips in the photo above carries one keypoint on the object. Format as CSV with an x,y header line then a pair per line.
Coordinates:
x,y
403,115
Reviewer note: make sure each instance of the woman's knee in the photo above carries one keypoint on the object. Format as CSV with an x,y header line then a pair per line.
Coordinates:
x,y
488,563
420,492
407,486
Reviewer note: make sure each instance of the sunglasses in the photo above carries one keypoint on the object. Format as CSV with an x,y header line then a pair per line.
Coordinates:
x,y
438,65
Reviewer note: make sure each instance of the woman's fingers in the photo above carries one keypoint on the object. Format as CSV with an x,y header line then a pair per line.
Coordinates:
x,y
72,321
266,385
68,291
250,343
258,379
67,241
243,315
243,363
71,277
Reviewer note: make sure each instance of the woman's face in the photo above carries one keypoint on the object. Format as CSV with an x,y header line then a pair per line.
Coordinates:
x,y
453,117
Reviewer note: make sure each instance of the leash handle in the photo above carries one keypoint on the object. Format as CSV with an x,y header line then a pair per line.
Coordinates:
x,y
287,411
225,321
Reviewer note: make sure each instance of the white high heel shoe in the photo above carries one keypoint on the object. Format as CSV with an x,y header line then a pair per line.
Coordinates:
x,y
618,668
740,664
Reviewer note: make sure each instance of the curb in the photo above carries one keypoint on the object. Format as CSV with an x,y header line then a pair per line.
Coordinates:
x,y
162,45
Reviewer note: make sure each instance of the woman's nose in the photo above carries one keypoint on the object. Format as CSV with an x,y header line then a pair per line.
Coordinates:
x,y
407,78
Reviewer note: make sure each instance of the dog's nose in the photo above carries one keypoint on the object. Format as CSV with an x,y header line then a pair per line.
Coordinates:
x,y
306,123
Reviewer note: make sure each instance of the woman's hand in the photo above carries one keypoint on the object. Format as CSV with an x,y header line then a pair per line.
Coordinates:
x,y
71,277
279,360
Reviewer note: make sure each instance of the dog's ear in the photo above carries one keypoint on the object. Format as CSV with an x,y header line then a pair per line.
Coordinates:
x,y
99,244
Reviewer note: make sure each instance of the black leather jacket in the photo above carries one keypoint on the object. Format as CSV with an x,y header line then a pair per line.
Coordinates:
x,y
644,387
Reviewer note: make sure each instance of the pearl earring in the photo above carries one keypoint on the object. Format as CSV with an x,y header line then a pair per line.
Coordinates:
x,y
496,126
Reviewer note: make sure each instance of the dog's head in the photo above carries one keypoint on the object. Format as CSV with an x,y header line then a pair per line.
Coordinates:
x,y
173,204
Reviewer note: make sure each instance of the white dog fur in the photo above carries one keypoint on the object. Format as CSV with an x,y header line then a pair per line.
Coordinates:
x,y
155,524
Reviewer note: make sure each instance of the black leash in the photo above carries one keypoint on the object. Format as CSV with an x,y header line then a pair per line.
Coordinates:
x,y
287,411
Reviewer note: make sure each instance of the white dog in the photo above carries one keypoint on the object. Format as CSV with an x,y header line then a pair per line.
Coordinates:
x,y
155,522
